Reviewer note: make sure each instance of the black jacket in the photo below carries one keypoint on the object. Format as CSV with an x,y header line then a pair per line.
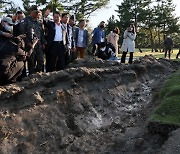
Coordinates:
x,y
50,33
16,30
168,43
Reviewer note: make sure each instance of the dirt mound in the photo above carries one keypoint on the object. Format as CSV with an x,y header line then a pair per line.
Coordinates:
x,y
91,107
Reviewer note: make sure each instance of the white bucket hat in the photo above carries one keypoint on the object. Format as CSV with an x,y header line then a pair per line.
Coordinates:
x,y
8,20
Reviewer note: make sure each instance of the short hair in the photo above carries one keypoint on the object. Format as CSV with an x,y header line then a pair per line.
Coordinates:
x,y
19,12
64,14
102,22
56,12
82,20
72,17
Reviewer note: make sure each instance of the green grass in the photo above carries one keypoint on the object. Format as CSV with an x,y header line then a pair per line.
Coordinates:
x,y
137,54
168,112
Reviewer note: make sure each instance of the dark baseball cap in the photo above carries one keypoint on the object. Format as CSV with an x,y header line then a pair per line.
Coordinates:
x,y
35,8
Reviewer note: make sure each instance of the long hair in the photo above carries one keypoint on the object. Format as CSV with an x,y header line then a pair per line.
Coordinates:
x,y
134,29
116,29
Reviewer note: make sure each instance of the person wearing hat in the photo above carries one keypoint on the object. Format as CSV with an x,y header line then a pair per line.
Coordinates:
x,y
6,28
32,27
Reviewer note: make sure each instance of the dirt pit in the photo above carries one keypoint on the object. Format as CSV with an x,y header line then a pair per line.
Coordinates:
x,y
93,106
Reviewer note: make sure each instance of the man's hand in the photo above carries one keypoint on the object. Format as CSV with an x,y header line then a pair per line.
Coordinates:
x,y
35,41
8,35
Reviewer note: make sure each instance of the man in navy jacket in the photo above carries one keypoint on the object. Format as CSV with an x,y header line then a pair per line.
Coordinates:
x,y
98,36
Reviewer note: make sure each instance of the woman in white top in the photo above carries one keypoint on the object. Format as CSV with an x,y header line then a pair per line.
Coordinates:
x,y
128,43
113,38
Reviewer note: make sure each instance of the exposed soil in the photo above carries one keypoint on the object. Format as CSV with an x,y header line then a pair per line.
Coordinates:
x,y
91,107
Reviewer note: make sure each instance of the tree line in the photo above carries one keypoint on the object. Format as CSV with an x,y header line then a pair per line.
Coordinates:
x,y
81,8
154,20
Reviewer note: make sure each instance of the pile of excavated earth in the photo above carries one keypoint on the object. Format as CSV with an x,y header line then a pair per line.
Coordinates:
x,y
93,106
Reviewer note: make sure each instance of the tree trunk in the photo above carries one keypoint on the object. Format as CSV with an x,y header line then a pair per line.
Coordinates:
x,y
152,41
159,40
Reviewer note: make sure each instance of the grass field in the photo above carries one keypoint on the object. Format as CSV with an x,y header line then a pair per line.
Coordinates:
x,y
137,54
168,112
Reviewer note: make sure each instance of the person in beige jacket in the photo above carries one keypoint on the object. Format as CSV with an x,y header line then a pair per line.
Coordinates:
x,y
113,38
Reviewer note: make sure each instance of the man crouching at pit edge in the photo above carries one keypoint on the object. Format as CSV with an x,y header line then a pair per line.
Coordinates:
x,y
12,55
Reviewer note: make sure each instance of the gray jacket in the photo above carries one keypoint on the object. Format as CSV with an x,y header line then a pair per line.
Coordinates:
x,y
85,37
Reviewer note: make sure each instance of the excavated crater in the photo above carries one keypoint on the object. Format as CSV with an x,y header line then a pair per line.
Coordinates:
x,y
93,106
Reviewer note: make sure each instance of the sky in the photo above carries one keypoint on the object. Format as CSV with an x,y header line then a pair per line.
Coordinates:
x,y
105,13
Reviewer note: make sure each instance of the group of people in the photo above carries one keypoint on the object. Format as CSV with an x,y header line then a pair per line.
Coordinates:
x,y
107,48
40,44
25,42
37,44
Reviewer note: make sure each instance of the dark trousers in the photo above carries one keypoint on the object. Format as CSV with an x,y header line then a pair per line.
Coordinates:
x,y
48,62
123,58
73,56
36,60
169,52
178,54
94,48
57,56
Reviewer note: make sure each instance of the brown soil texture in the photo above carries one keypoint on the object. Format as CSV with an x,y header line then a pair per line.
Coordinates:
x,y
93,106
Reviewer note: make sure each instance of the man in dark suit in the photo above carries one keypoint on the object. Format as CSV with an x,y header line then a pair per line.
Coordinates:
x,y
56,38
17,26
